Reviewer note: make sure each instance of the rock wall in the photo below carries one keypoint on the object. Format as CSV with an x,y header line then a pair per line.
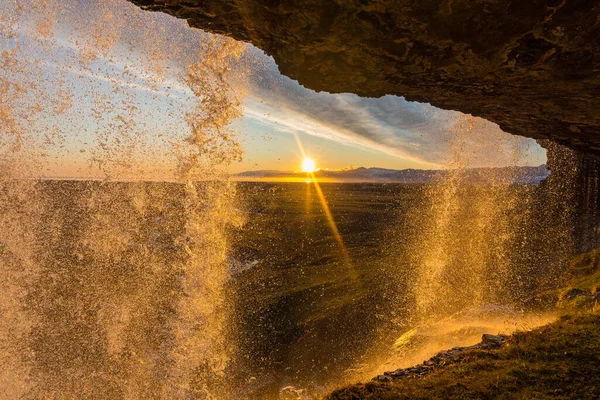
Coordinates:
x,y
530,66
572,192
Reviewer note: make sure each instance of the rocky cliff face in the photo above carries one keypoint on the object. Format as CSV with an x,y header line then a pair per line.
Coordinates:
x,y
573,192
530,66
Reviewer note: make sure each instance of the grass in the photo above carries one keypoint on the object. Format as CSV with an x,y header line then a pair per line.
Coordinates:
x,y
583,275
558,361
584,271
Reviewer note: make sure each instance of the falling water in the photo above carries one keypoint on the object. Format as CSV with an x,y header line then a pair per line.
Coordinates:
x,y
202,352
483,246
114,286
468,229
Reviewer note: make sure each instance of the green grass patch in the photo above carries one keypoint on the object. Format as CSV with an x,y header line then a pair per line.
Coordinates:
x,y
584,271
582,283
589,282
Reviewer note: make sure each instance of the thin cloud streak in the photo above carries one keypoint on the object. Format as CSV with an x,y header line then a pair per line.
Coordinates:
x,y
411,131
110,69
291,121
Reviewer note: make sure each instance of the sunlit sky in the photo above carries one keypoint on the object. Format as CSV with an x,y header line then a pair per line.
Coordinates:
x,y
101,67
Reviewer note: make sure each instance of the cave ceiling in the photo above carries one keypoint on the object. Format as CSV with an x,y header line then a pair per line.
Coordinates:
x,y
530,66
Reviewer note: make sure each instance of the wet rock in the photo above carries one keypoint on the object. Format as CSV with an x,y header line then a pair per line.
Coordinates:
x,y
493,340
573,293
530,66
291,393
488,342
383,378
466,326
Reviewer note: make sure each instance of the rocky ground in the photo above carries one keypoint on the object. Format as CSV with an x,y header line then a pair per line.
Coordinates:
x,y
441,359
557,361
560,360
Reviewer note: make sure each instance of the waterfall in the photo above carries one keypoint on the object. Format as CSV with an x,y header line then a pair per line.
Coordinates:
x,y
468,227
484,243
114,283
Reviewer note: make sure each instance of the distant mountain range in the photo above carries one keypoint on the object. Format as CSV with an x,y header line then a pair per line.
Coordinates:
x,y
501,174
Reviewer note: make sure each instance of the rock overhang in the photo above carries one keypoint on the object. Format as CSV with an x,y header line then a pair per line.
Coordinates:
x,y
533,67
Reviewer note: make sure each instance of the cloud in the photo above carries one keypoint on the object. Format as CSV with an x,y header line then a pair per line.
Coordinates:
x,y
287,120
60,57
418,133
410,131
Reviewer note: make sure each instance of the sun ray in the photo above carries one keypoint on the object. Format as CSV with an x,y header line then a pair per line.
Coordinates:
x,y
331,221
334,229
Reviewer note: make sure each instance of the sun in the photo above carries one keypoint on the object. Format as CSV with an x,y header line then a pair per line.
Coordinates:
x,y
308,165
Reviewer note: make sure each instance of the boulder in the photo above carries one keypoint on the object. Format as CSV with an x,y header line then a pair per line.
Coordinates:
x,y
573,293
